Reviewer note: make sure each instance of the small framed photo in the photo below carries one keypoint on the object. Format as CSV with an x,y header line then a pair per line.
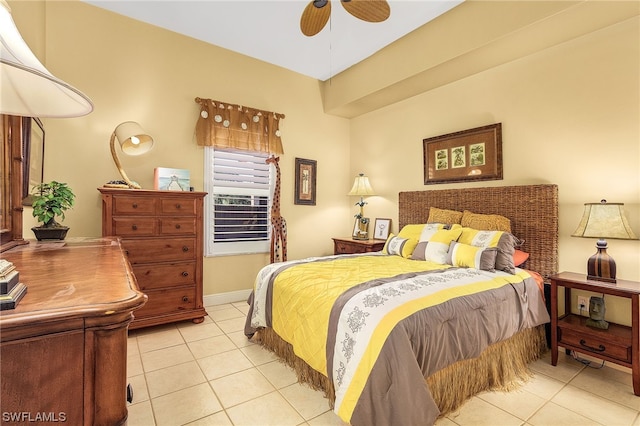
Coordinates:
x,y
381,229
361,229
305,182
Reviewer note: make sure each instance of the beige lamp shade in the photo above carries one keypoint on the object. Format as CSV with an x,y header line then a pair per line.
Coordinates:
x,y
28,89
133,141
604,220
361,186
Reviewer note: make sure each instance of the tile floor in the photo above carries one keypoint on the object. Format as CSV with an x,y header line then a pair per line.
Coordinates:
x,y
209,374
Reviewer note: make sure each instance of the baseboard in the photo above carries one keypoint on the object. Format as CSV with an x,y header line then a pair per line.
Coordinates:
x,y
224,298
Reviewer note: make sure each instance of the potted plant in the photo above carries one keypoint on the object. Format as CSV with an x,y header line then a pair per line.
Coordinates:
x,y
50,200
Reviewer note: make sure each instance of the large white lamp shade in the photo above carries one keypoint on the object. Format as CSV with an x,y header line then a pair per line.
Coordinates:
x,y
27,88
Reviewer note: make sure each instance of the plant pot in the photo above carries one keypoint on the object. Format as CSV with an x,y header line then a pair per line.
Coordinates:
x,y
45,234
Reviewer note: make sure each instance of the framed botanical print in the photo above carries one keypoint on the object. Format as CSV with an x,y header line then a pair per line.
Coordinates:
x,y
305,182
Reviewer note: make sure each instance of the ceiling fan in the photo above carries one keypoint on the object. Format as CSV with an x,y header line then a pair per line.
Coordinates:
x,y
316,14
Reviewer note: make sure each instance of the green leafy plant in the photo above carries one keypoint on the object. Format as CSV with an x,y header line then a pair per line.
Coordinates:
x,y
50,200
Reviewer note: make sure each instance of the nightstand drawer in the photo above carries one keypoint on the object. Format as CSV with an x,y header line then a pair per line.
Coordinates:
x,y
123,205
126,227
594,345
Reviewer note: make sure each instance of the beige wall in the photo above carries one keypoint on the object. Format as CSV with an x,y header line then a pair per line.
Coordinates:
x,y
569,115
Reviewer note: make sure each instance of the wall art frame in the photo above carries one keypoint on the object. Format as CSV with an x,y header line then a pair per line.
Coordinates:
x,y
468,155
306,171
33,154
381,228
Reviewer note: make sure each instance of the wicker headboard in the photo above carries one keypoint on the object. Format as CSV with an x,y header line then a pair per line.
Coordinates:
x,y
533,210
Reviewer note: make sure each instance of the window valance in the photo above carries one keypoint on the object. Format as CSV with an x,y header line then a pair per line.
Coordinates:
x,y
225,125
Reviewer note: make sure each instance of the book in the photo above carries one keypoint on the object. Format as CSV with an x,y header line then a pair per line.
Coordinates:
x,y
167,179
10,300
7,282
5,267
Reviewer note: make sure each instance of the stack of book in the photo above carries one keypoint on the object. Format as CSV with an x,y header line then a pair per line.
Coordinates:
x,y
11,289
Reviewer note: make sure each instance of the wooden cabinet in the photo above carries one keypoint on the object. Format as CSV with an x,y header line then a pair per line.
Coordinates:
x,y
349,245
63,349
618,344
162,233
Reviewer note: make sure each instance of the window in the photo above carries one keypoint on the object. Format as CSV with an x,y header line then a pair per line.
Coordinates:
x,y
238,204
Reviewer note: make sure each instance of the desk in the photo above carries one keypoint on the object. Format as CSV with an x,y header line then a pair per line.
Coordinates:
x,y
63,349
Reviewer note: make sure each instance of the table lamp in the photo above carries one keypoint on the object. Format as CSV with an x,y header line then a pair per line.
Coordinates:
x,y
133,141
603,220
361,187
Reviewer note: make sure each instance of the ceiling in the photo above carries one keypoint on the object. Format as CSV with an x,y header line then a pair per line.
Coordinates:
x,y
269,30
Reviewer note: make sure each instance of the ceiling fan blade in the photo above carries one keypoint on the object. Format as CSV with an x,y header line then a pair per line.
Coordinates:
x,y
368,10
315,17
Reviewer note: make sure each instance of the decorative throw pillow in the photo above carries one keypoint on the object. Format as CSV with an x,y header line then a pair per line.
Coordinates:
x,y
437,215
399,246
503,241
434,243
519,257
411,231
485,222
466,256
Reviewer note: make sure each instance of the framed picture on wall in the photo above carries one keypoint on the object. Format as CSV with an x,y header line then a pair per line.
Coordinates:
x,y
33,152
305,182
381,229
468,155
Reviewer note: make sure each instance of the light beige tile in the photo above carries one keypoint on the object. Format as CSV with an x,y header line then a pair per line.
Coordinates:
x,y
566,369
134,365
223,364
239,339
477,412
211,308
258,355
240,387
268,410
242,307
554,415
519,403
443,421
217,419
225,314
185,405
232,325
166,357
637,421
139,386
330,419
543,386
140,414
193,332
608,383
308,402
278,373
595,408
160,338
132,345
171,379
211,346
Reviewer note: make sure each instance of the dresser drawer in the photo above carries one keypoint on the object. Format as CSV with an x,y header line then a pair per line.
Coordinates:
x,y
177,207
160,250
178,226
131,205
169,301
154,276
130,226
596,345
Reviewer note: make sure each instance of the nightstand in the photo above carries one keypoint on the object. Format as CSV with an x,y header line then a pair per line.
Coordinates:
x,y
618,344
349,245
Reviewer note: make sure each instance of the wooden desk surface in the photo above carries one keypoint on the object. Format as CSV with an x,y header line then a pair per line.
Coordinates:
x,y
75,278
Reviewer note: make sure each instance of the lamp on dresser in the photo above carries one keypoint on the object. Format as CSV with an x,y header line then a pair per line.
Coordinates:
x,y
133,141
603,220
361,187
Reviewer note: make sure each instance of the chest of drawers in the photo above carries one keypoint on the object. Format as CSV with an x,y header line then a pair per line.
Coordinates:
x,y
162,234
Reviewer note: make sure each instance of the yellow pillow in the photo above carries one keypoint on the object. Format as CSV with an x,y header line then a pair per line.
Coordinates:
x,y
466,256
503,241
437,215
399,246
411,231
485,222
434,244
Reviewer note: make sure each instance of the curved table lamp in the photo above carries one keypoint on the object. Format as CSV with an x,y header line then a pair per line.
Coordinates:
x,y
133,141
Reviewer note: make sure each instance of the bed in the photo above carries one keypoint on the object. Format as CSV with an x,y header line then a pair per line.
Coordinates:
x,y
408,334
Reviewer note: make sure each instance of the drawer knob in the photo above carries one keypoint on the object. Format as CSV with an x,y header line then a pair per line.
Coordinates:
x,y
129,393
134,227
177,226
178,206
600,348
185,298
185,274
134,205
185,248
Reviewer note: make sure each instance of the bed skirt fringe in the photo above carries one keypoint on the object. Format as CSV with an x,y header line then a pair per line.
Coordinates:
x,y
502,366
